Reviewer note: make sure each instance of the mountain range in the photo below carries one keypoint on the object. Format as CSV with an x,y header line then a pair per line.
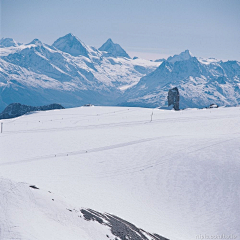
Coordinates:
x,y
71,73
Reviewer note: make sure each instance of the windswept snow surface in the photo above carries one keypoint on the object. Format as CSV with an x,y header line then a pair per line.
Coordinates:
x,y
34,214
177,175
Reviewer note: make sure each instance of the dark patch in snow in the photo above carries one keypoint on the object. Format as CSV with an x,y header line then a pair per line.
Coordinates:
x,y
119,227
33,186
89,216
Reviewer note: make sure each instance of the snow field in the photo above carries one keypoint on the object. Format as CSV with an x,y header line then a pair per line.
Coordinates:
x,y
177,176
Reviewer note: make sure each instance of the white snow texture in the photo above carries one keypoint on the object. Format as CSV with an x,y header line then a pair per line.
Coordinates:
x,y
177,175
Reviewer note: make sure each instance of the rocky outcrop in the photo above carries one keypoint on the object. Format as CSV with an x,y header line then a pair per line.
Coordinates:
x,y
173,98
17,109
120,228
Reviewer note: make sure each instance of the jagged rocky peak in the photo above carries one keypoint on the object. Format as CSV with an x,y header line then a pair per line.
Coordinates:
x,y
72,45
17,109
35,42
181,57
8,42
173,98
113,49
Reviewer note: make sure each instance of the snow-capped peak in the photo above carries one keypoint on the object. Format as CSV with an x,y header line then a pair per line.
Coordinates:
x,y
113,49
181,57
8,42
110,41
72,45
35,42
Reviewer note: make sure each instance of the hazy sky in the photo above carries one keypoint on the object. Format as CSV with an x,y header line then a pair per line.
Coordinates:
x,y
146,28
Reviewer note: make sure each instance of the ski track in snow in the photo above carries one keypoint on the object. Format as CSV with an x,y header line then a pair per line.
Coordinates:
x,y
117,124
93,150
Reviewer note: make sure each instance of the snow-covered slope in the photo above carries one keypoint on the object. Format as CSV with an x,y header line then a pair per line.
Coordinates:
x,y
69,72
177,175
28,212
200,83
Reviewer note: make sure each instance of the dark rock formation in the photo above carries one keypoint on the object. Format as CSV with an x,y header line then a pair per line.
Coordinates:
x,y
17,109
120,228
173,98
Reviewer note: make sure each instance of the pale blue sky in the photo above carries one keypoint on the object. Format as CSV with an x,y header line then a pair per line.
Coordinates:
x,y
146,28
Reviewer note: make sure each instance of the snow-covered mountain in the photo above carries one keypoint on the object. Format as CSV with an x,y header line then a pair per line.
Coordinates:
x,y
71,45
8,42
69,72
201,82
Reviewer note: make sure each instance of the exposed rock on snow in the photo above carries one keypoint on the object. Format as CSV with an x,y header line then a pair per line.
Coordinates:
x,y
177,176
173,98
26,212
119,227
17,109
